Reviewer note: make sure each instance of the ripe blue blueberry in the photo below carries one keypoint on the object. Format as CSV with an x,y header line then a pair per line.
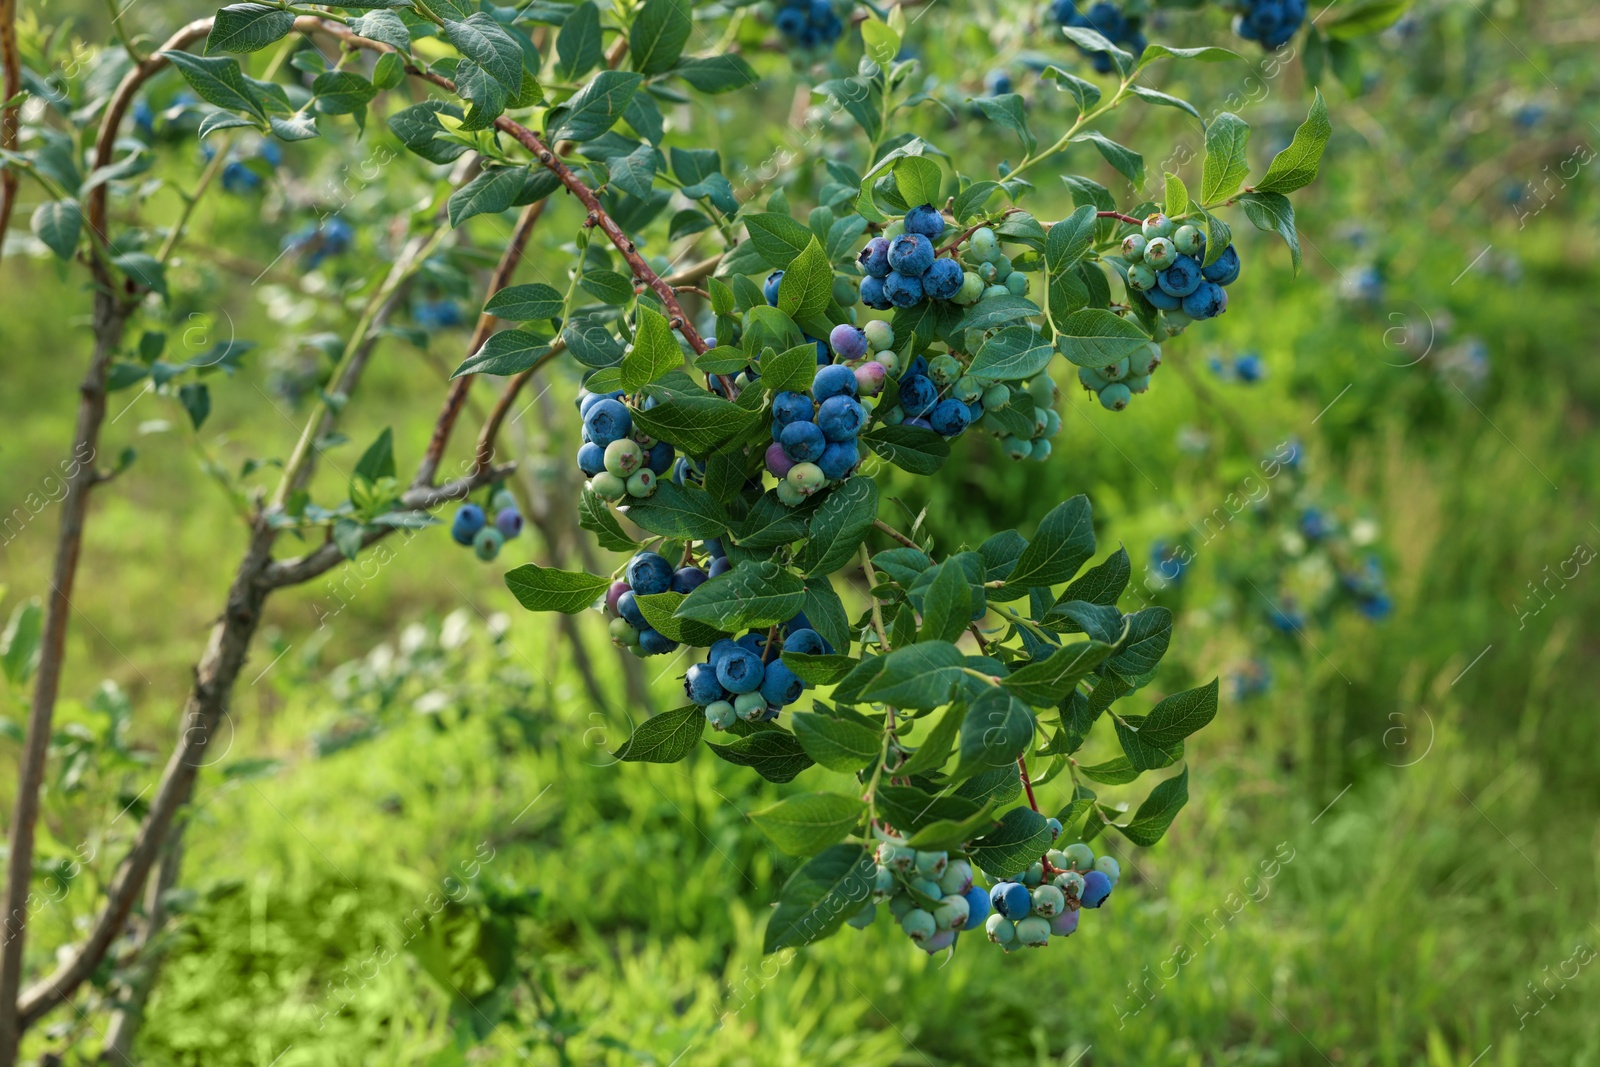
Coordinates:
x,y
902,290
608,421
840,418
1096,887
833,380
779,685
848,341
918,394
1011,899
628,608
591,458
720,565
925,220
701,685
874,259
740,671
1226,268
805,641
655,643
790,407
911,254
508,522
874,293
1207,301
769,288
468,521
803,442
658,460
943,279
1164,301
649,572
839,459
977,907
754,642
1180,279
949,418
688,579
719,649
1248,368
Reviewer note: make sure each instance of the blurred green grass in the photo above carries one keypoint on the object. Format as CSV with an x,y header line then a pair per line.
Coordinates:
x,y
1431,775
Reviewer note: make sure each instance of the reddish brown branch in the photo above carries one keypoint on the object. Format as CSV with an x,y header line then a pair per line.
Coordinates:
x,y
1027,783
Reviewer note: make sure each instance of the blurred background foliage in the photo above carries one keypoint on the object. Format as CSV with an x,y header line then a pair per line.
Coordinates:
x,y
416,849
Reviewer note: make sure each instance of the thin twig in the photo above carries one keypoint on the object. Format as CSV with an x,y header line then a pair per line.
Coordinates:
x,y
896,534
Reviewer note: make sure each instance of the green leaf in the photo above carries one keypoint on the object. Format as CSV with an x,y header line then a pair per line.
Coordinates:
x,y
778,237
1273,212
1019,841
1115,771
547,589
1092,41
1143,755
839,525
681,511
696,423
947,835
418,129
1086,93
1152,96
490,193
837,744
716,74
1102,583
1127,162
807,284
1047,682
1095,337
996,730
935,749
807,823
1370,17
751,594
609,287
816,900
998,311
384,26
881,41
596,107
792,370
655,351
1149,631
1225,165
826,612
822,668
217,81
665,738
1062,544
505,353
526,303
579,47
1177,196
770,523
1205,55
947,605
774,754
1180,715
916,676
1150,822
57,223
658,34
389,71
484,41
911,448
1069,240
596,517
659,610
1007,111
378,460
909,808
1296,166
341,92
1218,238
247,28
1012,354
19,643
918,180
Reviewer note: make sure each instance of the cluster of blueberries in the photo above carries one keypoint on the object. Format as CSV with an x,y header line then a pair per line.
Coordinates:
x,y
237,177
744,679
1270,22
1247,368
1369,589
1164,264
933,898
1116,383
809,23
814,436
901,268
939,395
331,237
619,459
647,573
472,528
1106,20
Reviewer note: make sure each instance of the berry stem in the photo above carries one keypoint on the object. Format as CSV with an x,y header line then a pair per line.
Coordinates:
x,y
877,611
896,534
1119,216
1027,783
970,230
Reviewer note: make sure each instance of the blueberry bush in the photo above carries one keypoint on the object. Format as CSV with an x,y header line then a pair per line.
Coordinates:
x,y
739,413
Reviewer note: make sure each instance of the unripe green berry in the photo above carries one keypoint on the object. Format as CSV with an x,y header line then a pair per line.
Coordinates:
x,y
1156,225
1141,278
1048,901
1117,371
1069,882
984,243
880,335
1115,396
1160,254
1108,866
642,482
932,864
918,925
944,369
608,486
863,918
623,457
971,289
720,714
1042,388
1000,930
1034,931
501,500
987,272
900,906
1080,857
896,857
967,389
957,877
1147,361
622,633
1133,247
807,478
928,887
1002,269
996,396
1033,875
894,229
486,544
894,416
888,360
1137,383
1041,451
750,706
1017,282
994,291
1189,240
883,879
1093,379
1017,448
788,495
951,912
1052,423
